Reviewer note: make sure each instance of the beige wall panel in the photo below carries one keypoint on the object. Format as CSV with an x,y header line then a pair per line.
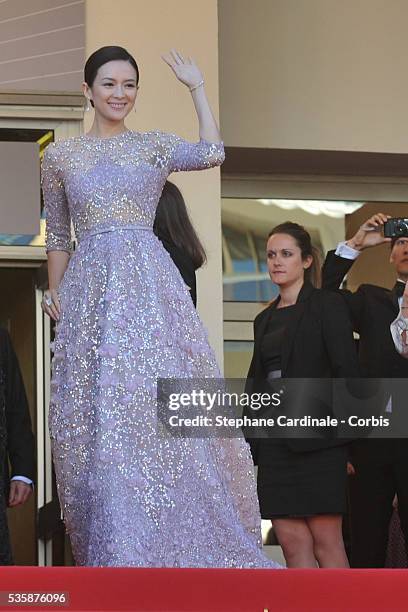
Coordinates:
x,y
41,44
314,74
34,23
69,38
148,28
16,9
56,82
52,63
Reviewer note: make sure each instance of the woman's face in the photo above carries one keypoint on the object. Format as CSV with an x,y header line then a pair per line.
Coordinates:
x,y
114,90
284,258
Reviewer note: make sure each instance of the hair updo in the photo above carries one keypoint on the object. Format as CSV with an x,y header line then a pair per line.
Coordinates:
x,y
103,56
304,242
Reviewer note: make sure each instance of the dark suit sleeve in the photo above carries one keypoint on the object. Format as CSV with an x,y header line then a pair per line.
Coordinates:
x,y
334,270
358,395
20,439
338,336
342,353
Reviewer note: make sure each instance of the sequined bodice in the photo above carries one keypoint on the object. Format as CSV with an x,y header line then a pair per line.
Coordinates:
x,y
114,182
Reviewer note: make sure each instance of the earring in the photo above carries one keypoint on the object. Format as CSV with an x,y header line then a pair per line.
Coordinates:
x,y
88,106
137,89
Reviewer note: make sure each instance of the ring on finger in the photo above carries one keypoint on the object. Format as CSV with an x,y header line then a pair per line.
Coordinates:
x,y
47,300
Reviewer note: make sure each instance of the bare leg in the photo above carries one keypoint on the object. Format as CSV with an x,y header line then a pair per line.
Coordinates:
x,y
328,542
295,537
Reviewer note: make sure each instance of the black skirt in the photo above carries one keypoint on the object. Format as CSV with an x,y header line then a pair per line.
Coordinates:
x,y
292,484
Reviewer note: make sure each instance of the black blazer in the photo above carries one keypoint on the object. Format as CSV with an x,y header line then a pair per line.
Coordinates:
x,y
15,424
318,343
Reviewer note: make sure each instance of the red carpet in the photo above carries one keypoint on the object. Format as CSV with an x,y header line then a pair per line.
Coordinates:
x,y
172,590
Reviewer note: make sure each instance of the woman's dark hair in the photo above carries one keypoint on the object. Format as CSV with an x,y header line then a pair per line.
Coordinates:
x,y
304,242
173,224
103,56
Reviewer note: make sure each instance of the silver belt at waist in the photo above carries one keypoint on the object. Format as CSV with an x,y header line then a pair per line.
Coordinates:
x,y
114,228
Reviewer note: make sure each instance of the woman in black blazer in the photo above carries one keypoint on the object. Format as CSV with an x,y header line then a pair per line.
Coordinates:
x,y
304,333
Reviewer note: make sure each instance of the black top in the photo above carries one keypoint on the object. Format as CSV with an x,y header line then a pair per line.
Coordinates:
x,y
318,343
184,264
272,340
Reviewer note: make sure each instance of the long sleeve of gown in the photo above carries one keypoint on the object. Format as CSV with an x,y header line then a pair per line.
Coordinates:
x,y
398,327
58,219
194,155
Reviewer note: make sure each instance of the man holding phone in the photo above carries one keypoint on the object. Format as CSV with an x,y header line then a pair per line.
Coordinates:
x,y
380,466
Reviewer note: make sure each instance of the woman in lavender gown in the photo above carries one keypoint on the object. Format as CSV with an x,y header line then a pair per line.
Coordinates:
x,y
124,319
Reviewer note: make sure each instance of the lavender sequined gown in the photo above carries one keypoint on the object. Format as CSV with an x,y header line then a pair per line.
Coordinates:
x,y
129,497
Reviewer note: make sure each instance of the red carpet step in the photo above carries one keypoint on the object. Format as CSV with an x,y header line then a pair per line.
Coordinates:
x,y
206,590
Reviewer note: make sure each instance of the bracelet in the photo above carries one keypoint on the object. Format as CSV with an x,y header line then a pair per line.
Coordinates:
x,y
196,86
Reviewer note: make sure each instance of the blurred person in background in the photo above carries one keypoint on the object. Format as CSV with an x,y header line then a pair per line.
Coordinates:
x,y
16,442
174,229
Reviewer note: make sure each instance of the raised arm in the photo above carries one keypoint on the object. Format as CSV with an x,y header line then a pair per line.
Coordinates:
x,y
188,73
339,262
58,230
